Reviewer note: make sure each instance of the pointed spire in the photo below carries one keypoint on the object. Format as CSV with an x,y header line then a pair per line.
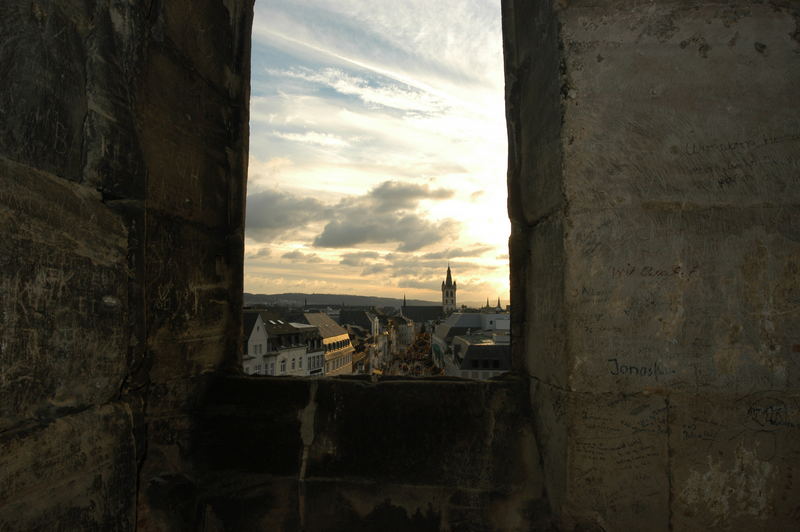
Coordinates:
x,y
487,302
404,300
498,303
449,280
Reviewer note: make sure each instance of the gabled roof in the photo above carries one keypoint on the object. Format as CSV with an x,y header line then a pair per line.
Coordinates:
x,y
249,318
421,314
355,317
274,323
327,327
501,352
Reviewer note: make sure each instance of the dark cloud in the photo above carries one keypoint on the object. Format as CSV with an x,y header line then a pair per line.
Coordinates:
x,y
271,214
383,216
358,259
393,196
375,269
299,256
260,254
410,231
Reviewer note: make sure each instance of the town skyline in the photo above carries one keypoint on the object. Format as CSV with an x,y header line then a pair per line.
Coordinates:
x,y
377,150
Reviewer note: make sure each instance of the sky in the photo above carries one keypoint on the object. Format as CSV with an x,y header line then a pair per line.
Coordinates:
x,y
377,149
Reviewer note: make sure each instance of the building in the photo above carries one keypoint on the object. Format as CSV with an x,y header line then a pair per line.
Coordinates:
x,y
359,318
335,342
474,331
423,316
479,356
274,346
315,352
401,334
449,293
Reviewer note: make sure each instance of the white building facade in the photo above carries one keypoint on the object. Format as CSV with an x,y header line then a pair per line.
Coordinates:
x,y
276,347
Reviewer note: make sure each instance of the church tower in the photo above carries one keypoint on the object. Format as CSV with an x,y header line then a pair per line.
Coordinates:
x,y
448,293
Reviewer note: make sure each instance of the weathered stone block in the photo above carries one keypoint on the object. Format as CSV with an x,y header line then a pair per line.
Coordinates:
x,y
75,473
457,423
546,313
189,160
253,424
532,64
659,310
735,460
63,296
242,501
190,319
214,38
43,50
678,245
618,461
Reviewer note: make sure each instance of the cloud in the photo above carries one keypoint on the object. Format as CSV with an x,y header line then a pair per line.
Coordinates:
x,y
258,254
374,269
375,92
381,124
428,42
359,258
475,251
299,256
410,231
313,137
416,283
271,214
384,216
393,195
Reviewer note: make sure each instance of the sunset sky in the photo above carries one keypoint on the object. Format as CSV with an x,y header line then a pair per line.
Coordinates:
x,y
377,149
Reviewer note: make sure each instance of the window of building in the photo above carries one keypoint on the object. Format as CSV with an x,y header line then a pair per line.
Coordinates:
x,y
292,363
300,362
283,366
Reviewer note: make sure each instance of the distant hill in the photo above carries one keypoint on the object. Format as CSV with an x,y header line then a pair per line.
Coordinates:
x,y
298,300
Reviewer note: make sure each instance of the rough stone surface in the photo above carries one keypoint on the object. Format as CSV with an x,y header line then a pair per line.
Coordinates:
x,y
655,250
123,149
349,454
72,473
63,277
660,232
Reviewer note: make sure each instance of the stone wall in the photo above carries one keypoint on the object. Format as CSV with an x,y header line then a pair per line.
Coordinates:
x,y
653,172
123,145
654,189
349,454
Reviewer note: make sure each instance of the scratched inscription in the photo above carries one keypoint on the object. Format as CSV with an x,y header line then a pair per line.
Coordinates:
x,y
773,413
625,455
649,370
692,148
649,271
